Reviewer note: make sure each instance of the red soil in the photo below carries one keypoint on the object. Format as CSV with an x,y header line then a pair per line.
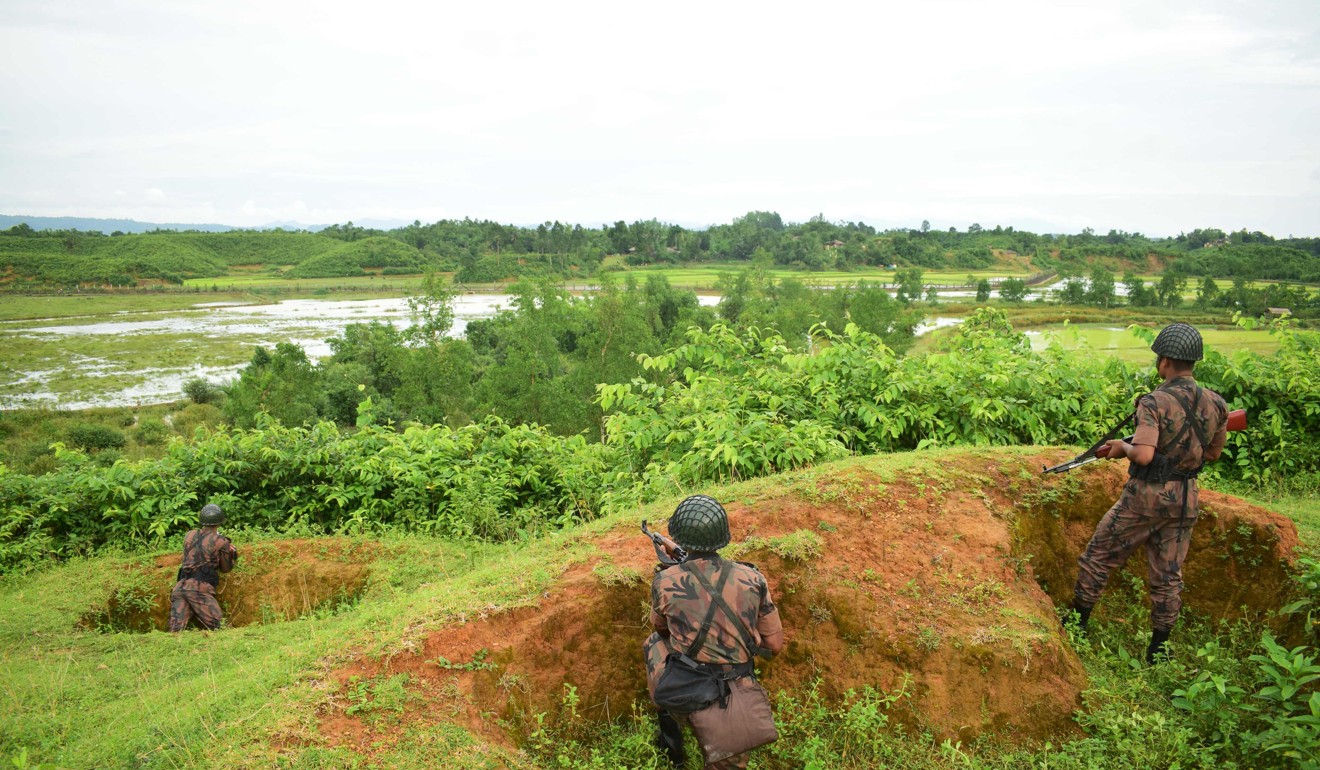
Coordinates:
x,y
949,577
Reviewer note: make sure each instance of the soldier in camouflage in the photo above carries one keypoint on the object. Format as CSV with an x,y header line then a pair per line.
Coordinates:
x,y
679,605
1179,427
206,553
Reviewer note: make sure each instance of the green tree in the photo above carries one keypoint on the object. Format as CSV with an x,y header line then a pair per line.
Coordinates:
x,y
1207,293
1101,292
1138,294
1013,290
982,286
908,280
432,309
1171,288
283,385
1073,291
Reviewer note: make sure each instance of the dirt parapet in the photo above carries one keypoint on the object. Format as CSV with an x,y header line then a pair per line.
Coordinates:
x,y
272,581
936,576
1238,565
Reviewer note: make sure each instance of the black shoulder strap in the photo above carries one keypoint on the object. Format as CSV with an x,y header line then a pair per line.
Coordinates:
x,y
718,595
710,613
1192,420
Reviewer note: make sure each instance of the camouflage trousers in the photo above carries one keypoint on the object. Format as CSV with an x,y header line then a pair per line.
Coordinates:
x,y
1121,532
186,604
655,649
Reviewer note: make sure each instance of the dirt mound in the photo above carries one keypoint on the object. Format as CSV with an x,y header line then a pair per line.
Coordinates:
x,y
272,581
940,581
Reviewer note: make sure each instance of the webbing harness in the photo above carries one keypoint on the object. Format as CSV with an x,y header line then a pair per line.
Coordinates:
x,y
1159,470
725,673
192,554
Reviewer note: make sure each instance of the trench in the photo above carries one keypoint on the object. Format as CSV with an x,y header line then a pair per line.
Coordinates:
x,y
273,582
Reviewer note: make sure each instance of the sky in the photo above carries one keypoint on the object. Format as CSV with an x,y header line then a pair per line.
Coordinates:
x,y
1047,116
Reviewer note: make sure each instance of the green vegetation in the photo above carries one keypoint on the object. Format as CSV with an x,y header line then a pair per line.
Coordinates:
x,y
483,252
723,405
483,462
1231,697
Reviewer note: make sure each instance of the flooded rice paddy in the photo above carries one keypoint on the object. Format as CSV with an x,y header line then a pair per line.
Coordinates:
x,y
131,358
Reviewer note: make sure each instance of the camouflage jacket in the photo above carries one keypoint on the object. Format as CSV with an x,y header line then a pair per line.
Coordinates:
x,y
679,604
202,549
1160,422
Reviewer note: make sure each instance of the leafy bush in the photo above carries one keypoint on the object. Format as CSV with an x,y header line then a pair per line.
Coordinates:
x,y
190,418
93,437
201,391
151,433
490,481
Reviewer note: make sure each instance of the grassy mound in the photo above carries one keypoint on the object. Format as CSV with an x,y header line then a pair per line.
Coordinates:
x,y
916,592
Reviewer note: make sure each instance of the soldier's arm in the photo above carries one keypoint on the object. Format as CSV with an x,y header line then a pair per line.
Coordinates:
x,y
228,555
1216,447
768,625
771,631
1144,439
658,621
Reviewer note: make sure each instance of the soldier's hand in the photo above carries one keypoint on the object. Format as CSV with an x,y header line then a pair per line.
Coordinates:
x,y
1117,449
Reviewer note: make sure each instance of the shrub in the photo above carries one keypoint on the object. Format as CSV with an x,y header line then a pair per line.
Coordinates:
x,y
187,421
92,437
201,391
151,433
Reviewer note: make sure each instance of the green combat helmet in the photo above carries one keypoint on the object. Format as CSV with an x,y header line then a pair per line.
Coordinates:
x,y
1179,341
212,516
699,523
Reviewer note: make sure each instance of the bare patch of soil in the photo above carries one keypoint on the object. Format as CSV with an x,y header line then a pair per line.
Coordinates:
x,y
272,581
942,582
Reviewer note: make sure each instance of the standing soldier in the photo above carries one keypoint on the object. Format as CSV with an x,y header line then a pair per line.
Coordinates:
x,y
206,553
686,615
1180,427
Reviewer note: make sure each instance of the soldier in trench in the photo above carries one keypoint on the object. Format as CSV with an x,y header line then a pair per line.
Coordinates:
x,y
206,553
1180,427
679,605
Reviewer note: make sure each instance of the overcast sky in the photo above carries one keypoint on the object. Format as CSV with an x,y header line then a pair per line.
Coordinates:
x,y
1049,116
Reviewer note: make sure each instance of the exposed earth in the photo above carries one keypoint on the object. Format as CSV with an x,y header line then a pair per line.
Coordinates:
x,y
940,582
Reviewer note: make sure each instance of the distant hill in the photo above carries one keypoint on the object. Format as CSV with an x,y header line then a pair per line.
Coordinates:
x,y
107,226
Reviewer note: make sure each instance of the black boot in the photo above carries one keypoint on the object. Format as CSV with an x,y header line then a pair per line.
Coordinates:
x,y
1083,616
669,740
1158,650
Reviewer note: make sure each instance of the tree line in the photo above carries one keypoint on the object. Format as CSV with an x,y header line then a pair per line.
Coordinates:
x,y
483,251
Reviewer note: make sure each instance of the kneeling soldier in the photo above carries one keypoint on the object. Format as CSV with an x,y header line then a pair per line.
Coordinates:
x,y
684,614
206,553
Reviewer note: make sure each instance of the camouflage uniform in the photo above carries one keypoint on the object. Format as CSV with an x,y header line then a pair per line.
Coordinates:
x,y
678,606
1159,516
206,553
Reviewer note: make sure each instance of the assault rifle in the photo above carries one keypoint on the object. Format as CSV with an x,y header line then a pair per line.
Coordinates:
x,y
664,547
1237,420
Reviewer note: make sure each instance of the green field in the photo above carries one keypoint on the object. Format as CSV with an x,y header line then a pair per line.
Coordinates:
x,y
1120,343
706,276
396,284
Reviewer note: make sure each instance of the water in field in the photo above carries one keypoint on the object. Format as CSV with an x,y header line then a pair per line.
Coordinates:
x,y
125,359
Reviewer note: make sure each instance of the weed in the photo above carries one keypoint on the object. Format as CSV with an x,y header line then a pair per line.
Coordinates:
x,y
929,639
616,575
479,662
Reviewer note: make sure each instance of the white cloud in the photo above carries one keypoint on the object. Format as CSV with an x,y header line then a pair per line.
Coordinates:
x,y
594,111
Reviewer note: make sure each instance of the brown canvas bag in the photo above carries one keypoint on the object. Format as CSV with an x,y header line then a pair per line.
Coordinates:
x,y
745,724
